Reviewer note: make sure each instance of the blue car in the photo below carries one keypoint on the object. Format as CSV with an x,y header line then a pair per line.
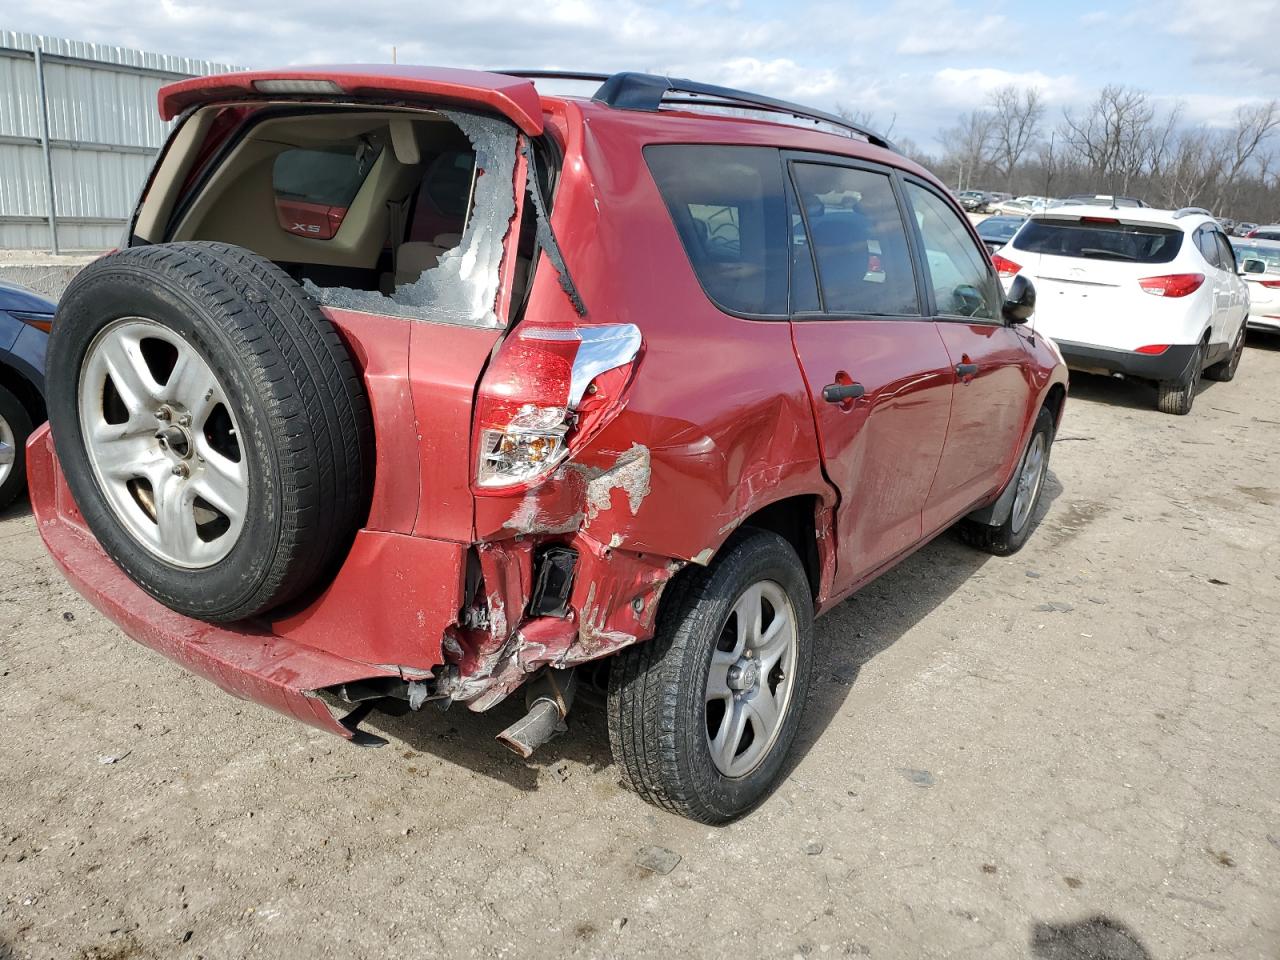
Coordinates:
x,y
25,319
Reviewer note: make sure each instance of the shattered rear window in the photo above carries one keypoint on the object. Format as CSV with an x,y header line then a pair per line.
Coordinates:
x,y
462,287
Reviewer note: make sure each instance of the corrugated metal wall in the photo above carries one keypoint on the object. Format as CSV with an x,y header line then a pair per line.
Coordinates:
x,y
103,134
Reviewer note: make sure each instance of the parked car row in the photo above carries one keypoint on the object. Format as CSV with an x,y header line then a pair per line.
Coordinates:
x,y
455,442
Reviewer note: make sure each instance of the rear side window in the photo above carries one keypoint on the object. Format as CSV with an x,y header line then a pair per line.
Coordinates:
x,y
1091,240
730,210
859,241
314,188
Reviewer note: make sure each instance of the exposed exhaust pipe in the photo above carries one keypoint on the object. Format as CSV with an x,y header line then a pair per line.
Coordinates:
x,y
548,698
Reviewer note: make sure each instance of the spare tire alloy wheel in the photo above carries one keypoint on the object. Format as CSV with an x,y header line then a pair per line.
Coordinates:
x,y
163,443
751,679
211,426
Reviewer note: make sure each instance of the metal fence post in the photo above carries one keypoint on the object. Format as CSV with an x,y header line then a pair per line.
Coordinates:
x,y
42,96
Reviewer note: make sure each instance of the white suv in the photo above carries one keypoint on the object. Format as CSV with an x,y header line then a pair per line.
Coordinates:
x,y
1143,293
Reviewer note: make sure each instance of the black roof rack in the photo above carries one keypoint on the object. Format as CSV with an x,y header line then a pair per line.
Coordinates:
x,y
647,92
555,75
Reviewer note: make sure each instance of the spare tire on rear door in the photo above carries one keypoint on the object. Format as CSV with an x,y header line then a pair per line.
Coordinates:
x,y
211,425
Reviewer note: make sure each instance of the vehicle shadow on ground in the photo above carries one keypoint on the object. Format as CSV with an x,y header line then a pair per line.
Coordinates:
x,y
1095,938
1263,340
879,614
846,640
19,508
467,739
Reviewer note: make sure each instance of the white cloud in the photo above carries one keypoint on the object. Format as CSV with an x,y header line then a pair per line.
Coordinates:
x,y
1240,36
968,88
919,61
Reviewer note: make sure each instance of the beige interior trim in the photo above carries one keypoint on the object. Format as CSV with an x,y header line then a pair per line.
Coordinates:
x,y
237,205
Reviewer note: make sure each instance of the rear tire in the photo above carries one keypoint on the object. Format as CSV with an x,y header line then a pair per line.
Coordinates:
x,y
15,427
689,722
1224,371
211,426
1007,538
1177,397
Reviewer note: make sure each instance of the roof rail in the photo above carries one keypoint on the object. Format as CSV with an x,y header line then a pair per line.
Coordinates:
x,y
1191,211
647,92
555,75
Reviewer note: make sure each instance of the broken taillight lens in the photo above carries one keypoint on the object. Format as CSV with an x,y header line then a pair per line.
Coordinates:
x,y
530,412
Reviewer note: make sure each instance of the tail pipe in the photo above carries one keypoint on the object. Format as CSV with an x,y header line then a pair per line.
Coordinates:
x,y
548,698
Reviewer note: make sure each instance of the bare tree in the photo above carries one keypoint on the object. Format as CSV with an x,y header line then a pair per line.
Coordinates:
x,y
967,146
1191,170
865,118
1015,125
1111,135
1254,126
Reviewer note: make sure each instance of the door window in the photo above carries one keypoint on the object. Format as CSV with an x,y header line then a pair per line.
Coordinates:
x,y
963,282
858,239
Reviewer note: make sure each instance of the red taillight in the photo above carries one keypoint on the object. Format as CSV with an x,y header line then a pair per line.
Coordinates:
x,y
1153,349
1005,267
1251,233
1270,284
1172,285
546,392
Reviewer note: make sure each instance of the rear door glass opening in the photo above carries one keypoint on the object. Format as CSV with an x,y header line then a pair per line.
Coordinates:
x,y
401,213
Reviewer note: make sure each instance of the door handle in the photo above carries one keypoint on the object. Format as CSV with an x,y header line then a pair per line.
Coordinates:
x,y
842,392
966,369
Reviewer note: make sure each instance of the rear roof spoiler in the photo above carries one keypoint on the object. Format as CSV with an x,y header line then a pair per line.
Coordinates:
x,y
513,97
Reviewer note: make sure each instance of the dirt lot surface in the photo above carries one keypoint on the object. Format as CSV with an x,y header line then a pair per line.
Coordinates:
x,y
1073,753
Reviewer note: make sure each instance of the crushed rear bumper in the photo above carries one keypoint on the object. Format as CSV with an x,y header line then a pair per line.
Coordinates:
x,y
246,660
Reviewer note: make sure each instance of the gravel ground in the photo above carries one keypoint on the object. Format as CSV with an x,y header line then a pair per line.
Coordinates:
x,y
1071,753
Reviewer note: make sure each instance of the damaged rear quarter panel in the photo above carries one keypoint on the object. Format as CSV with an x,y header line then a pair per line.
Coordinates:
x,y
717,422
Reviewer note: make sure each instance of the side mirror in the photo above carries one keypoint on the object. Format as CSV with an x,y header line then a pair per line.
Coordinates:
x,y
1252,265
1020,302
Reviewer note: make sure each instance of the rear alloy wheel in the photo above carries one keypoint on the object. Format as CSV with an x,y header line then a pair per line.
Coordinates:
x,y
15,427
702,716
1178,396
1224,371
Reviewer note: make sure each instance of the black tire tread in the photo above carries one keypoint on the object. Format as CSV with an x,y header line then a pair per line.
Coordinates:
x,y
644,686
20,423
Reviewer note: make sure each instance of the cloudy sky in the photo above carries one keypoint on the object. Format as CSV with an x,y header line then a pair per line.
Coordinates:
x,y
921,62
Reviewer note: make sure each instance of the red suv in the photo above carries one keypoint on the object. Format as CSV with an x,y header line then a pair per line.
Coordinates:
x,y
412,385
